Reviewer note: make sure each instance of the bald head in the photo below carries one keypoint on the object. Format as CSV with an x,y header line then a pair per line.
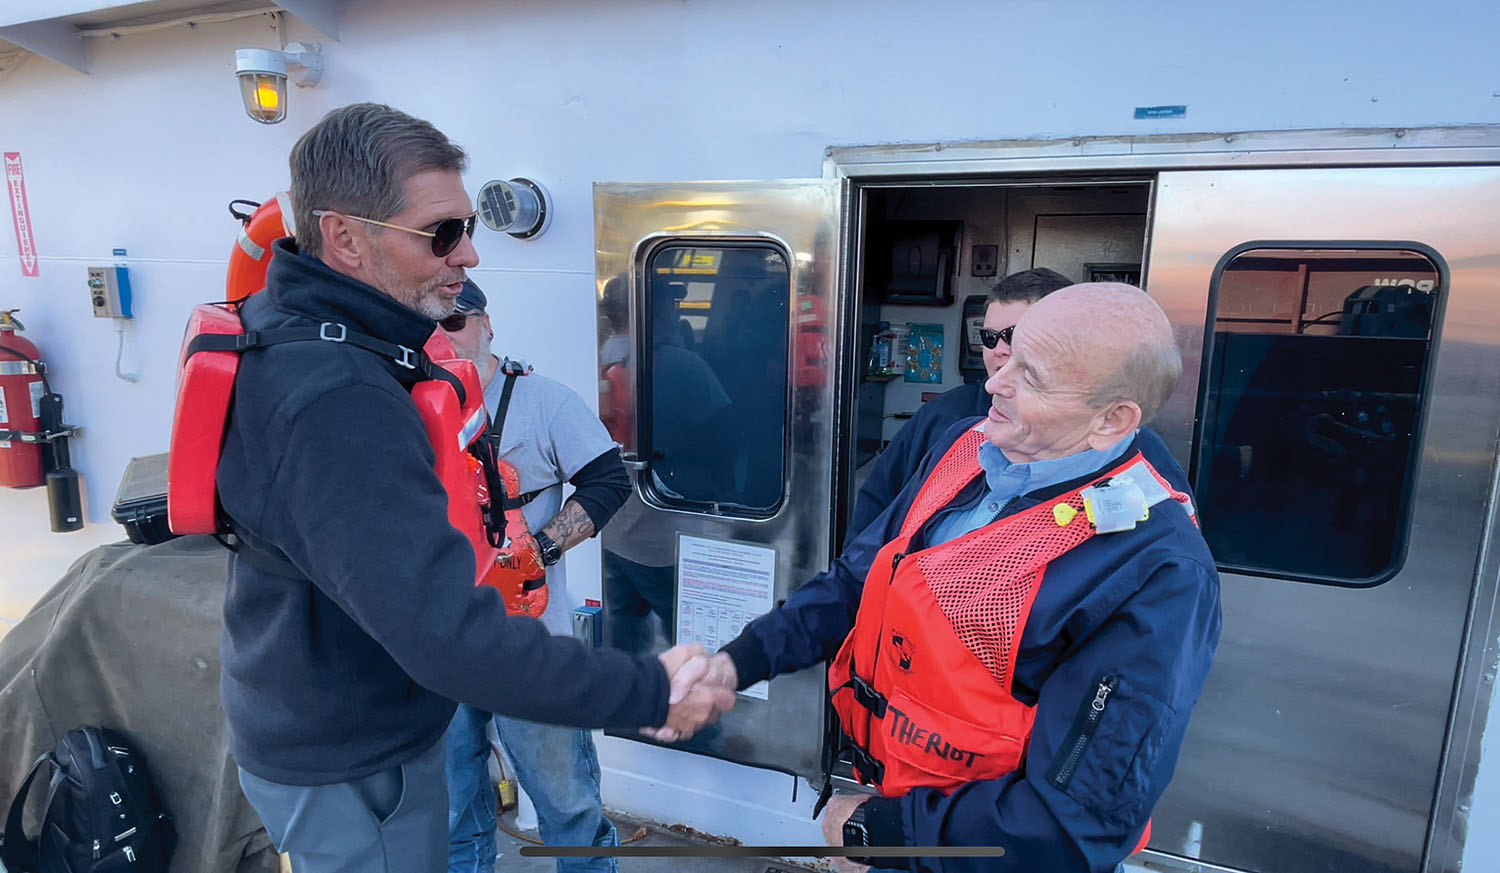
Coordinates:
x,y
1118,339
1089,364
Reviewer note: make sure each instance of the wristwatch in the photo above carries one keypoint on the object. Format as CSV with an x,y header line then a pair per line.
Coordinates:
x,y
551,552
856,832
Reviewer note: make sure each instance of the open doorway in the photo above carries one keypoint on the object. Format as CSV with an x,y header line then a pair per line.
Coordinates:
x,y
923,267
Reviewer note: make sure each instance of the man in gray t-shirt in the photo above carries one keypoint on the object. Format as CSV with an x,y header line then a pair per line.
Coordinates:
x,y
550,436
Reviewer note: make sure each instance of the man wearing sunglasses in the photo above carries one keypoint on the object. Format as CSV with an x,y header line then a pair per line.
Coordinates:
x,y
550,436
1036,613
898,463
351,620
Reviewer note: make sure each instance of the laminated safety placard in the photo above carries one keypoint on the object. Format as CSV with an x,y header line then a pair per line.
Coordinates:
x,y
721,587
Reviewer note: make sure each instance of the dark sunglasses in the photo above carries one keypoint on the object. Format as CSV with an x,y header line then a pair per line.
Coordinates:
x,y
456,322
445,235
992,338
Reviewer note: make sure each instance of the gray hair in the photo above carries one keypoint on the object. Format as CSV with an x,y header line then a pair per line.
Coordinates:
x,y
1146,377
1027,286
356,160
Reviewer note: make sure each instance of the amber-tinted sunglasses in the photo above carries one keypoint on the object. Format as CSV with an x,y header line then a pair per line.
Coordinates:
x,y
445,235
992,338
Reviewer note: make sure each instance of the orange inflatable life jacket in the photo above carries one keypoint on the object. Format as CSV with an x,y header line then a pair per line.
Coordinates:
x,y
446,394
922,685
518,572
251,255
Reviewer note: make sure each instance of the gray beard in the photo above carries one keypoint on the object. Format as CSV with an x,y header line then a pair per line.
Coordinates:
x,y
433,307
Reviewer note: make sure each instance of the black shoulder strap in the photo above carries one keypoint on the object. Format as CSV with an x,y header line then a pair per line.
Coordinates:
x,y
413,362
18,852
266,558
499,426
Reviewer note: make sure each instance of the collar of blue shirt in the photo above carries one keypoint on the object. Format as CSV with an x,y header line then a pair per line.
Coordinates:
x,y
1007,481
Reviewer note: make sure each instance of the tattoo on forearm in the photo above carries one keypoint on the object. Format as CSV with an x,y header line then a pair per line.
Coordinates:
x,y
570,526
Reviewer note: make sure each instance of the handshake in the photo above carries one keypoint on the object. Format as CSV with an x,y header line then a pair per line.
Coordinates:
x,y
702,690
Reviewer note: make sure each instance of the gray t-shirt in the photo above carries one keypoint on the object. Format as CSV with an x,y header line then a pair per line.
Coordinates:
x,y
549,435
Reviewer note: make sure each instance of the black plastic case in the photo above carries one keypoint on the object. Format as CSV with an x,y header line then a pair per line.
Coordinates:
x,y
141,503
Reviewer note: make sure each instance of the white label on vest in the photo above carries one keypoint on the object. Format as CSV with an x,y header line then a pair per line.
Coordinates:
x,y
1116,506
1141,477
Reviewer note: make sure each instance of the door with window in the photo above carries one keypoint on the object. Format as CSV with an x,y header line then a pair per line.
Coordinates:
x,y
1339,411
718,320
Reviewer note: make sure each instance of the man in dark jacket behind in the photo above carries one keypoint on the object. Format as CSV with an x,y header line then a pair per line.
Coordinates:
x,y
352,621
899,462
1036,612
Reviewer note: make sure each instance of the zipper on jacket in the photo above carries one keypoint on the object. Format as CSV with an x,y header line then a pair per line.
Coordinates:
x,y
96,850
1083,730
896,562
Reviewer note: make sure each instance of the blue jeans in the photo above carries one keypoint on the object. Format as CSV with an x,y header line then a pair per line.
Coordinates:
x,y
387,822
559,769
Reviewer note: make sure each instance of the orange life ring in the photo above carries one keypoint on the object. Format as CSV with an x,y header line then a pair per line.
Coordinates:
x,y
251,254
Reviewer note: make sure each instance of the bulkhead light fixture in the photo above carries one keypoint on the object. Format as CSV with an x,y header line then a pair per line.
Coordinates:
x,y
263,73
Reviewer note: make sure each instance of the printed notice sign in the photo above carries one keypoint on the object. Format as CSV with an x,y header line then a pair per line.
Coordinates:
x,y
721,586
20,214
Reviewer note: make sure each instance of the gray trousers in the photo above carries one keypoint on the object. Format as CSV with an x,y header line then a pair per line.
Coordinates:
x,y
394,821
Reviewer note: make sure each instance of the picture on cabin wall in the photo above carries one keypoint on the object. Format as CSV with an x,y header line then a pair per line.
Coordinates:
x,y
924,353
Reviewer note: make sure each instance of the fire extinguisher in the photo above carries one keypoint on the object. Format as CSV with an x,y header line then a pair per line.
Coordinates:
x,y
33,439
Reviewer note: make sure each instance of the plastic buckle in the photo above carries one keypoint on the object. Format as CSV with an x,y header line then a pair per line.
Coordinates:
x,y
872,770
408,358
323,332
866,695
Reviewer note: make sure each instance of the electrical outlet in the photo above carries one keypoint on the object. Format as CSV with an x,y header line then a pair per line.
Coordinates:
x,y
984,260
109,292
588,625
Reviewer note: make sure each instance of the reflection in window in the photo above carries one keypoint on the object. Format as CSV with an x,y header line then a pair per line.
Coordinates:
x,y
719,321
1313,395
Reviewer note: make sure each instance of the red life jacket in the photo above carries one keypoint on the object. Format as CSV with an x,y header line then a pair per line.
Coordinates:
x,y
446,394
922,685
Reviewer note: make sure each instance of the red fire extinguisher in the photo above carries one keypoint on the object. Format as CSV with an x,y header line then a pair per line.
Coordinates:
x,y
33,437
21,392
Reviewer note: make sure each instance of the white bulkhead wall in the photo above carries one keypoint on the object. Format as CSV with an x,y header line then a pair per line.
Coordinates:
x,y
145,153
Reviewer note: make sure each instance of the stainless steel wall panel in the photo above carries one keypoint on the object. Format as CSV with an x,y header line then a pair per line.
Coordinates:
x,y
802,218
1319,741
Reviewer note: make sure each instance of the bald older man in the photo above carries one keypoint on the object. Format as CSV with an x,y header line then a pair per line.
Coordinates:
x,y
1037,612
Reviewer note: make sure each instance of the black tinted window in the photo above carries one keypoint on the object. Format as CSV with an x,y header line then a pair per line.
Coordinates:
x,y
1313,397
717,327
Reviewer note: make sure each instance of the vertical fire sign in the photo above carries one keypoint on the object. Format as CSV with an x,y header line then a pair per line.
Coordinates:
x,y
20,214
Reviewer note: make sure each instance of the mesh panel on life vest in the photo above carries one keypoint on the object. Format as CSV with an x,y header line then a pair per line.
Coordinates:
x,y
958,467
985,581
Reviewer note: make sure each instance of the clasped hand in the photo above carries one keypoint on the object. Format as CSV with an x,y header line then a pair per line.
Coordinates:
x,y
702,690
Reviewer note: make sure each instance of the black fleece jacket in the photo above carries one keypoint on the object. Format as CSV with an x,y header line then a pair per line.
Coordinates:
x,y
352,665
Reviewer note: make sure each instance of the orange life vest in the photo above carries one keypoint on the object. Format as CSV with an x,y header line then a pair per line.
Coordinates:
x,y
922,685
517,573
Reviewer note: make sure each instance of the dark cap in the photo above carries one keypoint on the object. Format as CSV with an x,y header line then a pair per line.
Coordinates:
x,y
471,299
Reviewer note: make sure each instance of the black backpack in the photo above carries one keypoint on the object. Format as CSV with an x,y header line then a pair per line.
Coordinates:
x,y
102,814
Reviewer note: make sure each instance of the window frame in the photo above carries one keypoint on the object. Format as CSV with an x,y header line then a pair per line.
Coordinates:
x,y
1203,409
645,392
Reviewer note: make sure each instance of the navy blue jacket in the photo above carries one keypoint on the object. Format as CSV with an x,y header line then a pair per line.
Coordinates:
x,y
903,456
1138,610
352,666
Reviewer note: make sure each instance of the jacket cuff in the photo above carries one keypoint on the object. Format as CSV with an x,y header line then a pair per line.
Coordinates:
x,y
883,822
750,662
